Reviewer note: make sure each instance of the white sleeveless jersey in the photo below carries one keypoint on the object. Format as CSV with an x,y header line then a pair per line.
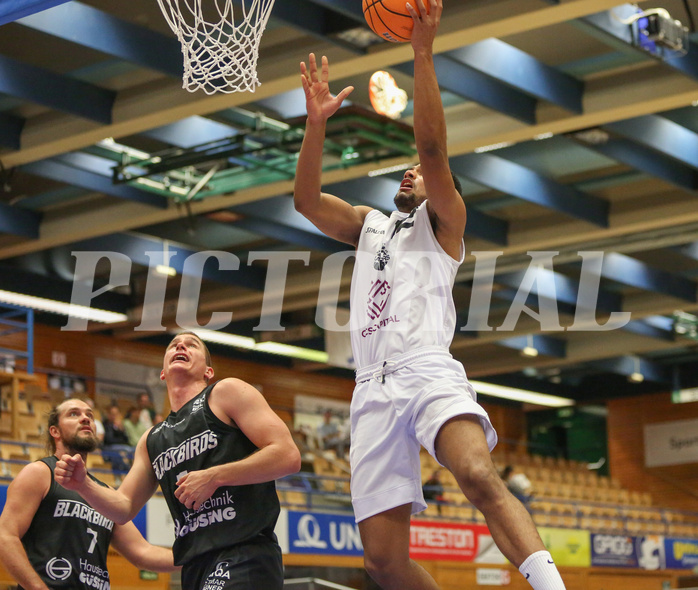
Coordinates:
x,y
401,288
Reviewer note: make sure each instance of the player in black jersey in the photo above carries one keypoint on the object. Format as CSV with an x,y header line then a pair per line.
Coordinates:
x,y
216,457
51,538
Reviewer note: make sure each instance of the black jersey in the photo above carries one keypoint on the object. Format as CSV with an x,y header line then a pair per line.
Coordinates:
x,y
192,439
68,540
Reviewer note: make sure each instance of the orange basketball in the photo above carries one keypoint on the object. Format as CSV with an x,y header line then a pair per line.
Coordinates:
x,y
389,19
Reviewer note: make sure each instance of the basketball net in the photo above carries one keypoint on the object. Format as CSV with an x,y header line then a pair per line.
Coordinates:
x,y
218,56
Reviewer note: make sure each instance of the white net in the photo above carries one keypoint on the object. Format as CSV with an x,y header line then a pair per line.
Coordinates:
x,y
220,55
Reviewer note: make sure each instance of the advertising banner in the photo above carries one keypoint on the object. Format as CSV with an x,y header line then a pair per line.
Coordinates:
x,y
627,551
671,443
315,532
681,553
449,541
567,546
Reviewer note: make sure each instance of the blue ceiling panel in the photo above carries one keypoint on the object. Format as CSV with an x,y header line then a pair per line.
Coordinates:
x,y
629,271
89,27
61,172
11,10
55,91
518,69
481,88
513,179
662,135
19,222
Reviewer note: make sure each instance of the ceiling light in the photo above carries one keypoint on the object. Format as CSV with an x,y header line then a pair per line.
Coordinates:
x,y
492,147
529,350
298,352
389,169
163,269
521,395
636,376
61,308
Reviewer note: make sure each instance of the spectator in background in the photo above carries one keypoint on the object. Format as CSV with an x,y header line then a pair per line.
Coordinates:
x,y
133,426
116,449
99,427
433,489
330,437
147,413
518,484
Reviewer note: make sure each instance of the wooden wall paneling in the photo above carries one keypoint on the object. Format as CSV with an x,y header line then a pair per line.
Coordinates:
x,y
671,486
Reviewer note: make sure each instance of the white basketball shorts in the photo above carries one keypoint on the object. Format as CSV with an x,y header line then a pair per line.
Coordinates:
x,y
397,406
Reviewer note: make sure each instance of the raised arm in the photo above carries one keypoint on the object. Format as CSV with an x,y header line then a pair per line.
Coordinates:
x,y
23,498
331,215
119,505
235,401
445,205
128,541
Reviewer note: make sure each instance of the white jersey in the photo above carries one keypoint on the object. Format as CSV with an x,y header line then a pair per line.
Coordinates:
x,y
401,288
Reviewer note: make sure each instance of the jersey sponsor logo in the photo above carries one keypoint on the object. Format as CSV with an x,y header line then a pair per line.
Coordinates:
x,y
214,510
198,404
378,295
75,509
58,568
94,576
372,329
373,230
219,577
190,448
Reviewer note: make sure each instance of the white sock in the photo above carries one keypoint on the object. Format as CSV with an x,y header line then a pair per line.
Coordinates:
x,y
541,573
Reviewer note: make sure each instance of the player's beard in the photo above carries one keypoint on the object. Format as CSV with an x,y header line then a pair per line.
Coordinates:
x,y
81,442
405,201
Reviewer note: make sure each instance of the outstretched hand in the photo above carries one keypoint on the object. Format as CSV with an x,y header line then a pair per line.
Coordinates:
x,y
425,24
320,103
70,472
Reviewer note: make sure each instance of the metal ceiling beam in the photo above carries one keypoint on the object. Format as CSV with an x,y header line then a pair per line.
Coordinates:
x,y
79,23
192,131
10,130
56,170
688,250
518,69
545,345
277,218
648,160
649,328
39,284
19,222
293,235
632,272
11,10
516,180
378,192
349,8
136,248
319,19
472,84
662,135
558,287
58,92
627,365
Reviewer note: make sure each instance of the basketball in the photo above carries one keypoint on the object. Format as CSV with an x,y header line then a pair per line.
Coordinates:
x,y
389,19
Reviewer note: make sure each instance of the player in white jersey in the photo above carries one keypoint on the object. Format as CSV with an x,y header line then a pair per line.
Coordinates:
x,y
410,391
